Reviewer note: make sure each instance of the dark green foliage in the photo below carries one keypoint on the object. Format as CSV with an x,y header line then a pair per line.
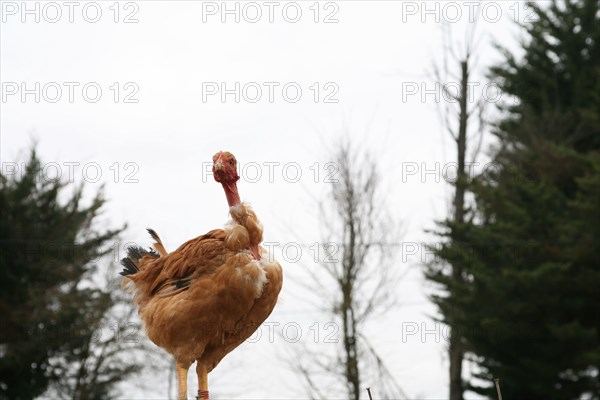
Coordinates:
x,y
557,82
52,313
529,249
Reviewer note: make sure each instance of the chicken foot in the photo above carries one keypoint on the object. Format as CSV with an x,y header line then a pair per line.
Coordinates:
x,y
182,373
202,373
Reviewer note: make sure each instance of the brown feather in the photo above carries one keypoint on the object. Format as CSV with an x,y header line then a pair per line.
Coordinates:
x,y
157,245
204,299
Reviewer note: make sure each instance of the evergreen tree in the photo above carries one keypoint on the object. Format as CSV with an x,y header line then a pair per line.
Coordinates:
x,y
52,333
529,302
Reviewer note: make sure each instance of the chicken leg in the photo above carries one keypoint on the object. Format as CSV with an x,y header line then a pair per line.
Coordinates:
x,y
182,373
202,373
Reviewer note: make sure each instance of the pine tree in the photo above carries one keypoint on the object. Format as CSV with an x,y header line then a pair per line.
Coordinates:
x,y
529,246
52,313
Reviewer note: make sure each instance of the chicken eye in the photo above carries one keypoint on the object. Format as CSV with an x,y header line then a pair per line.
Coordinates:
x,y
230,162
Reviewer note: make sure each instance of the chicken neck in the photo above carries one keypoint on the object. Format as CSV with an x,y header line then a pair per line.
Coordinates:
x,y
231,192
233,199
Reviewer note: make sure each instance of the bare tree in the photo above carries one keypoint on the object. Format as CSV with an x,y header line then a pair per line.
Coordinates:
x,y
355,280
463,119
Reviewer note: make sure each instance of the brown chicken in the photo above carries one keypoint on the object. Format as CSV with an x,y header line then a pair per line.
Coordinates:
x,y
207,297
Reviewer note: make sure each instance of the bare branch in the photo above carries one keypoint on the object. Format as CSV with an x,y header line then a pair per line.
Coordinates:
x,y
361,277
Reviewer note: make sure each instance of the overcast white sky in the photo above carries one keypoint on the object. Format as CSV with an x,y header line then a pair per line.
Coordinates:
x,y
164,63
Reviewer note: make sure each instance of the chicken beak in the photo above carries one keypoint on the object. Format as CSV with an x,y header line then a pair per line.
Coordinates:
x,y
219,166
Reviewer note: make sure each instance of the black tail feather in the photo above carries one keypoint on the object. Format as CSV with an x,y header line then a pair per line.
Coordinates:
x,y
153,233
131,262
129,267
